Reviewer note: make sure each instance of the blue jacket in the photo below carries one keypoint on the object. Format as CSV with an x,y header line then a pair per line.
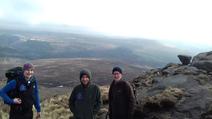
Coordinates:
x,y
12,85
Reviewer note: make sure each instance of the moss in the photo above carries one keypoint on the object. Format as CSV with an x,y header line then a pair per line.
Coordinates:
x,y
167,98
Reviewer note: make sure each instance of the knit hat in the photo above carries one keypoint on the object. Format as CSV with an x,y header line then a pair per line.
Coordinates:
x,y
117,69
85,72
28,66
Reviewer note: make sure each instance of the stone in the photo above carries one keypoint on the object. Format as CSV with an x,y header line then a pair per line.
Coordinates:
x,y
185,59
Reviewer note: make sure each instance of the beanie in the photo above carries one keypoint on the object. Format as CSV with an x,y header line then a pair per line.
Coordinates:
x,y
28,66
117,69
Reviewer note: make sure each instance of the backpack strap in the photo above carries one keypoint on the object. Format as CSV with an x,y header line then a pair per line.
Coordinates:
x,y
32,84
32,81
16,90
14,93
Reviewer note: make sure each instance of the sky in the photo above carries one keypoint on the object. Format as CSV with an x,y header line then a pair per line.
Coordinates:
x,y
170,21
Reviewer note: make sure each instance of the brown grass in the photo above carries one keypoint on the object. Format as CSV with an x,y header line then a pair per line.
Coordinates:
x,y
56,107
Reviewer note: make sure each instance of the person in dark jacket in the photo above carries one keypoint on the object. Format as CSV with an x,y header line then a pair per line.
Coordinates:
x,y
27,95
121,97
85,99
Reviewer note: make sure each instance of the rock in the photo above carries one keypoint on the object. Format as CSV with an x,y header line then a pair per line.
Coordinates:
x,y
169,69
203,61
208,113
185,59
167,99
170,65
175,91
187,70
183,93
174,70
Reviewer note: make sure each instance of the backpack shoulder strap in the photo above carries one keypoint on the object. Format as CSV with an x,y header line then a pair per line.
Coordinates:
x,y
33,80
14,93
18,83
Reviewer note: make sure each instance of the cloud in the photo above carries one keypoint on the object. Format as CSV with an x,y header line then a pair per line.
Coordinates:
x,y
182,20
19,10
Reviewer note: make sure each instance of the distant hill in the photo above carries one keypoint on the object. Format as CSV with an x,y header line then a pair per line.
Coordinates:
x,y
42,45
57,76
65,72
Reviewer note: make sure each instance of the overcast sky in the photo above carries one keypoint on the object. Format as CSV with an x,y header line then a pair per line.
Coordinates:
x,y
186,21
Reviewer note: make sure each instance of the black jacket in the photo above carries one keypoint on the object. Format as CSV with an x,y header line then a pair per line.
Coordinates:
x,y
85,101
121,100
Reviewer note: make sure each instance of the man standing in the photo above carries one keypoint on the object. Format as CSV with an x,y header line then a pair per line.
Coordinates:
x,y
25,94
85,99
121,97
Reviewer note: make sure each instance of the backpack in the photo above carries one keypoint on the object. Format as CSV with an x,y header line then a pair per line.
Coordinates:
x,y
13,74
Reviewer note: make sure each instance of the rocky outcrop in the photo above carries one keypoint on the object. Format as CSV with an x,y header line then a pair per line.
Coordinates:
x,y
174,92
203,61
185,59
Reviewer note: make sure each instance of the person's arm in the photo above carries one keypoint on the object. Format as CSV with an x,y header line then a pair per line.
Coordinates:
x,y
131,100
37,97
98,101
8,87
71,101
110,100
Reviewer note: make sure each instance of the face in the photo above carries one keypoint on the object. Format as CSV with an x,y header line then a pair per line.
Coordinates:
x,y
28,73
117,75
85,80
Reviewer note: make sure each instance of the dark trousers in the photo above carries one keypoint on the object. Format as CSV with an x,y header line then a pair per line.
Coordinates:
x,y
21,115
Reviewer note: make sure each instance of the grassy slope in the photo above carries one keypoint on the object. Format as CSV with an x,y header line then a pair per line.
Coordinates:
x,y
56,107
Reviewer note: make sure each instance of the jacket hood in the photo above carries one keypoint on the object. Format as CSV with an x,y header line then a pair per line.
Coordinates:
x,y
85,72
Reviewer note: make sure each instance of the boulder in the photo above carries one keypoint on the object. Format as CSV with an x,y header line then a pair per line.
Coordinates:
x,y
183,92
203,61
185,59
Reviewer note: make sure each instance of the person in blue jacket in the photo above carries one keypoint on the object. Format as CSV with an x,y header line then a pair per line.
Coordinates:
x,y
27,95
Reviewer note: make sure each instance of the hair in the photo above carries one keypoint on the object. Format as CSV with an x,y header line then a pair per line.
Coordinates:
x,y
117,69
